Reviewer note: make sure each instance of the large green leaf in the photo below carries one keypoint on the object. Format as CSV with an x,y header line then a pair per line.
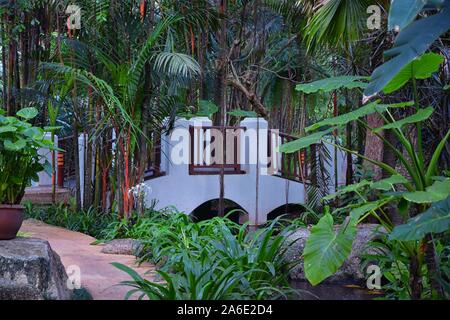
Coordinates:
x,y
347,189
433,165
47,167
242,113
14,146
403,13
326,249
411,42
4,129
357,213
421,115
147,51
27,113
388,183
436,192
435,220
344,118
304,142
420,68
34,133
206,108
334,83
363,111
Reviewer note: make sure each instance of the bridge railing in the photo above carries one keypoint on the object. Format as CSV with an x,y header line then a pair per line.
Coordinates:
x,y
153,169
210,146
205,160
66,159
293,166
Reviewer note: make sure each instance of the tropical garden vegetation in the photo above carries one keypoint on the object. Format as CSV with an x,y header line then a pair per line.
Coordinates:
x,y
370,78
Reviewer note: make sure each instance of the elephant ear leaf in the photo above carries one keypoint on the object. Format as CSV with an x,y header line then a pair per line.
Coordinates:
x,y
333,83
206,108
435,220
421,115
438,191
410,43
242,113
27,113
361,112
388,183
7,128
326,249
403,13
347,189
420,68
14,146
304,142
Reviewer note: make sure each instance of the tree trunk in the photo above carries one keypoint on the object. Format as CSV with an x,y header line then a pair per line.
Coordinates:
x,y
390,159
433,269
4,66
415,279
374,146
220,97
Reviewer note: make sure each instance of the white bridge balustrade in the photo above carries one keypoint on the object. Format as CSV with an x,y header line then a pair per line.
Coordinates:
x,y
257,177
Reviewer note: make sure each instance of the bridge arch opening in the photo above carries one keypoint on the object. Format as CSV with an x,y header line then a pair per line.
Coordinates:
x,y
290,211
210,209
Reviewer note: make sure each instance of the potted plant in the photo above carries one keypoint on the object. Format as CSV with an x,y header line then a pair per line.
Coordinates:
x,y
20,163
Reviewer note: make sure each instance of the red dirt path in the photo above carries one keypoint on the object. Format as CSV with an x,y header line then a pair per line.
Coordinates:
x,y
98,276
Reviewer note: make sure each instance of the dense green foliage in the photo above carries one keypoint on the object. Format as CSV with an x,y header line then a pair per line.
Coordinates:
x,y
414,39
213,259
412,193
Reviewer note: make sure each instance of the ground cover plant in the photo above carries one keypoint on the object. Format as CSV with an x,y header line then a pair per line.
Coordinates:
x,y
89,221
213,259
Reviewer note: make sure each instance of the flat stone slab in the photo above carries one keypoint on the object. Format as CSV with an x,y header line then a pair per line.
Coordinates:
x,y
97,274
122,246
31,270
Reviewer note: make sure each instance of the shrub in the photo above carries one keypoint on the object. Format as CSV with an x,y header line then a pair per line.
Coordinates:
x,y
19,149
89,221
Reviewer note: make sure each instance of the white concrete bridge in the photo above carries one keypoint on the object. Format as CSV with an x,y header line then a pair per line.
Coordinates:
x,y
185,175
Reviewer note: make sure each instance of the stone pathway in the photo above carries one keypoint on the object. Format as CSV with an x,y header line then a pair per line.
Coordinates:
x,y
98,276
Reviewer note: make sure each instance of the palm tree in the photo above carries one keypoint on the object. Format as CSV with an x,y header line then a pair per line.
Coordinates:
x,y
336,23
119,81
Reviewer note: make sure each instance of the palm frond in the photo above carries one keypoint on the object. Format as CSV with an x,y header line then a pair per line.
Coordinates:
x,y
176,65
100,86
293,11
335,23
146,53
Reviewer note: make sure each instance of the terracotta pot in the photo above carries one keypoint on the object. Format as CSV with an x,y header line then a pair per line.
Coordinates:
x,y
11,217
